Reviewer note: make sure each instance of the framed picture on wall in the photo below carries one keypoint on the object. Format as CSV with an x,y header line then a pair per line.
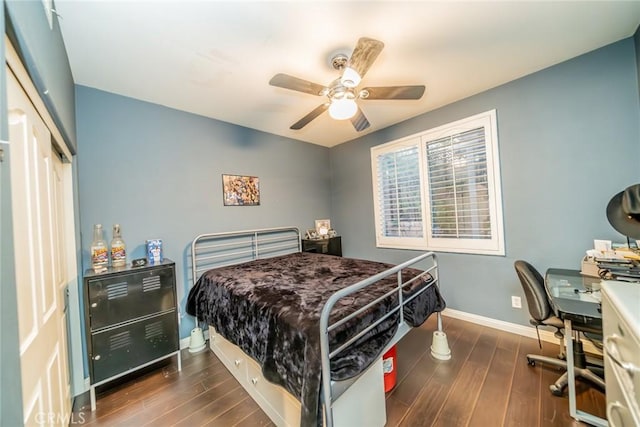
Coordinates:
x,y
240,190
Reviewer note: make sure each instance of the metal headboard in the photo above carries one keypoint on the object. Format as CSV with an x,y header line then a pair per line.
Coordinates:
x,y
214,250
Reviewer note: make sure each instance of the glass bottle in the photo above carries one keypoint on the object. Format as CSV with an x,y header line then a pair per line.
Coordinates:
x,y
99,252
118,248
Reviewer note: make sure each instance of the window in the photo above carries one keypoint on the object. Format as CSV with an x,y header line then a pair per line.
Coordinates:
x,y
440,190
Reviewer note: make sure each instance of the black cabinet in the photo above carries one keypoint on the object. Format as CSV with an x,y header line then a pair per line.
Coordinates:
x,y
329,246
131,320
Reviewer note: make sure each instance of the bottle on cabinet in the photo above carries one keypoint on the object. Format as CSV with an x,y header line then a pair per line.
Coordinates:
x,y
99,250
118,248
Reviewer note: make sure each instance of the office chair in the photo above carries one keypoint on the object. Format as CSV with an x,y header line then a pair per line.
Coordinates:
x,y
542,315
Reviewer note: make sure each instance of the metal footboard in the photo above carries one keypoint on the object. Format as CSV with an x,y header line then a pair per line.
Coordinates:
x,y
330,391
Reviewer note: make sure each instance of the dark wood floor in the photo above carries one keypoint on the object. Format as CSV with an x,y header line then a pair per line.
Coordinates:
x,y
487,382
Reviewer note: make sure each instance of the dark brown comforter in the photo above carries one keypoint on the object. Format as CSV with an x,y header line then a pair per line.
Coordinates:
x,y
271,309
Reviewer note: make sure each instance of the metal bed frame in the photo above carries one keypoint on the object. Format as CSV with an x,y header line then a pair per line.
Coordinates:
x,y
214,250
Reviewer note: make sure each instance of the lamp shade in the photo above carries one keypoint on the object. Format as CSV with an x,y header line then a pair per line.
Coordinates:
x,y
342,109
350,78
623,212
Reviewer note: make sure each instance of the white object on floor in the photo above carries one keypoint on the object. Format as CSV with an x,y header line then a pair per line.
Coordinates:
x,y
440,346
196,343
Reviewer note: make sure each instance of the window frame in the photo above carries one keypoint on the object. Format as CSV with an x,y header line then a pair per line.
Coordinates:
x,y
492,246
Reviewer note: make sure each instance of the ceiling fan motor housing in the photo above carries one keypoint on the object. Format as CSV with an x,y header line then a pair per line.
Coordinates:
x,y
339,61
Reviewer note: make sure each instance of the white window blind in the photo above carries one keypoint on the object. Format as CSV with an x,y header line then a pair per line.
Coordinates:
x,y
458,187
399,193
440,190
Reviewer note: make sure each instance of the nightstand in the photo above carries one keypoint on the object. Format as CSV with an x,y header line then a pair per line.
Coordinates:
x,y
329,246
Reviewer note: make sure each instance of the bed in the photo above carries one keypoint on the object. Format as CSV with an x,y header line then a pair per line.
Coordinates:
x,y
304,333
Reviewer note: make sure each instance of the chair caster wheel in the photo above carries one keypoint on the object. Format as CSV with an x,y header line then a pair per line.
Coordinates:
x,y
556,391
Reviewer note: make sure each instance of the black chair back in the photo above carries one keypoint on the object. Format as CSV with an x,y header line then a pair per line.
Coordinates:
x,y
533,286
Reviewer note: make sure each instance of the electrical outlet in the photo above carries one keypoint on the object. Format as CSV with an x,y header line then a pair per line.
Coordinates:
x,y
516,302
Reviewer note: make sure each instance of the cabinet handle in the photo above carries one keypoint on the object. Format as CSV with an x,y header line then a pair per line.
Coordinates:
x,y
96,357
614,355
254,380
237,362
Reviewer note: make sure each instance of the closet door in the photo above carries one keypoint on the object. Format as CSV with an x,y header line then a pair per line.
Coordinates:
x,y
39,263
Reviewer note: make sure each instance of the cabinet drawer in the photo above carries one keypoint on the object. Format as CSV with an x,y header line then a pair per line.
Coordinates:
x,y
275,396
621,332
117,350
232,356
122,297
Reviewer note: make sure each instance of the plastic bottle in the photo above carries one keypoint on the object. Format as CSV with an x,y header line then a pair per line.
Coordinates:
x,y
99,252
118,248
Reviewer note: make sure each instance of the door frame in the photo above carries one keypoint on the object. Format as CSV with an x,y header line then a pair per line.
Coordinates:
x,y
71,228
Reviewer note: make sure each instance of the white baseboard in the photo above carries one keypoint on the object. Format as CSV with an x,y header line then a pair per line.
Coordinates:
x,y
525,331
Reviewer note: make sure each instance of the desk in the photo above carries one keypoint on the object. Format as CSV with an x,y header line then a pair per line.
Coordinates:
x,y
572,300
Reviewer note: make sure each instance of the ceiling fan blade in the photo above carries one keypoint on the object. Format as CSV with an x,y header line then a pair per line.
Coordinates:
x,y
359,121
312,115
289,82
365,53
393,92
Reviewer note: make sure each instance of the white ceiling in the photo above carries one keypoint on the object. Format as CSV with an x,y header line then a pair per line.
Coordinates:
x,y
215,58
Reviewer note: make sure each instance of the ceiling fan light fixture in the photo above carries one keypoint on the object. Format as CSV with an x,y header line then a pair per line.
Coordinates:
x,y
342,109
350,78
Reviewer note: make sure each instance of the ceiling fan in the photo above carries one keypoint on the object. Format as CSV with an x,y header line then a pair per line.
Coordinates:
x,y
343,92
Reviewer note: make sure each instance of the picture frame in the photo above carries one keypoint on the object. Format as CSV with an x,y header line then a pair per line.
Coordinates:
x,y
322,227
240,190
311,234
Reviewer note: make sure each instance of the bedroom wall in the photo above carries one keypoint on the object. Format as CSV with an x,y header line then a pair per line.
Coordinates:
x,y
44,55
157,172
568,139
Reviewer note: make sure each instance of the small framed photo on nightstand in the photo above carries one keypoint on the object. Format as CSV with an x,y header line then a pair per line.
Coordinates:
x,y
322,227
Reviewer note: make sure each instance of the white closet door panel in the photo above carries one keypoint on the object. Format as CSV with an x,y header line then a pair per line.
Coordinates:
x,y
25,259
40,282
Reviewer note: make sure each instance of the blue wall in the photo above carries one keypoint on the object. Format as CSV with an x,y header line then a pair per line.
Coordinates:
x,y
568,141
158,173
44,55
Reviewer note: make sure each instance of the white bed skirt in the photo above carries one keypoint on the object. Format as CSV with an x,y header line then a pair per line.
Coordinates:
x,y
362,404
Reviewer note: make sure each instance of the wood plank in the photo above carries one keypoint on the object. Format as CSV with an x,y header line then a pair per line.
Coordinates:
x,y
524,401
204,399
408,388
465,390
435,392
494,395
234,415
554,410
396,410
215,408
256,419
